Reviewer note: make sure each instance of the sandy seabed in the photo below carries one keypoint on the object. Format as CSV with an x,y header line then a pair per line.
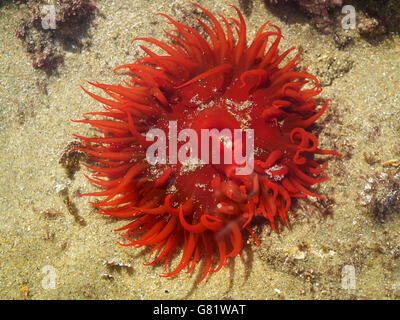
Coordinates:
x,y
78,251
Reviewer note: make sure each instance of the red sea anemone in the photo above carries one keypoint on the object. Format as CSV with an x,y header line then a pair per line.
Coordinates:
x,y
213,81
